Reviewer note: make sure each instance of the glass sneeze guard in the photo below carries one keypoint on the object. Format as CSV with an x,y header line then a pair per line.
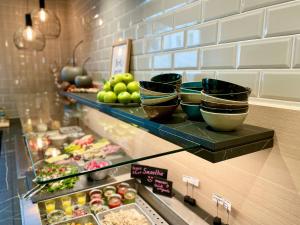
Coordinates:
x,y
96,143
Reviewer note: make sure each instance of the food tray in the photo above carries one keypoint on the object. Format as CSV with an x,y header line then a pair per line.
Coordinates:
x,y
83,219
101,215
70,129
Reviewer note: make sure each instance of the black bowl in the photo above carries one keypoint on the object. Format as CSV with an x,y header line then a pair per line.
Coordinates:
x,y
222,106
158,87
240,96
166,78
226,111
214,86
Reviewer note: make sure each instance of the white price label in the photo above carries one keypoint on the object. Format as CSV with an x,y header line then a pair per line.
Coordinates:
x,y
217,199
186,179
227,205
191,180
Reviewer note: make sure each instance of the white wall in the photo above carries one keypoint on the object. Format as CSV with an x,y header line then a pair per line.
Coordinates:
x,y
254,43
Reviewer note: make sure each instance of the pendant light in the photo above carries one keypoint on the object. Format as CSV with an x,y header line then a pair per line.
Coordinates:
x,y
28,37
46,21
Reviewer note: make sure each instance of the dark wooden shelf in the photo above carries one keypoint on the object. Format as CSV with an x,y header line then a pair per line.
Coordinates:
x,y
210,145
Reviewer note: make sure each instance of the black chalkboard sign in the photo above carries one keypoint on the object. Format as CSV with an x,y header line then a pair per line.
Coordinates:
x,y
147,173
162,187
136,170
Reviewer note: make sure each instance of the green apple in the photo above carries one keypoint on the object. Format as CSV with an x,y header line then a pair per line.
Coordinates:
x,y
117,78
100,96
120,87
133,86
106,86
127,78
110,97
124,97
135,97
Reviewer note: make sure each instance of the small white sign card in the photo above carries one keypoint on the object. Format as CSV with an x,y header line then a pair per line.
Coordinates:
x,y
120,57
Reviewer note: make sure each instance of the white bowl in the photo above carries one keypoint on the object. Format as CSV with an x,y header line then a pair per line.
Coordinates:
x,y
101,174
58,140
191,97
76,135
210,98
154,101
222,121
153,93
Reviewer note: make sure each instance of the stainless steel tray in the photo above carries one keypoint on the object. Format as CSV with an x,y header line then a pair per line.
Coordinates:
x,y
70,129
83,219
100,216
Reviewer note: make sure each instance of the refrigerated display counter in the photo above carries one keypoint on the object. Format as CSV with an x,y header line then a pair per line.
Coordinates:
x,y
88,152
155,209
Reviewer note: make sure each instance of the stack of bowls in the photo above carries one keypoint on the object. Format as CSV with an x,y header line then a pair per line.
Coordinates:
x,y
191,98
169,78
158,100
224,104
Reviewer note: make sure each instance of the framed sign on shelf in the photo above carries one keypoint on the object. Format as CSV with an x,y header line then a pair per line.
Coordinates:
x,y
120,57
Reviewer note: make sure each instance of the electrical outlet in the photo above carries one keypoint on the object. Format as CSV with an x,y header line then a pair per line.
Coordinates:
x,y
191,180
227,204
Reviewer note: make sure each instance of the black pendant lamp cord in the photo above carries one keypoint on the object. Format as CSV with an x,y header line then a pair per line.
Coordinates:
x,y
28,21
42,4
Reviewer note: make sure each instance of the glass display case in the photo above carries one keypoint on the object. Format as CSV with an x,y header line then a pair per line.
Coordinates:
x,y
80,147
78,163
91,142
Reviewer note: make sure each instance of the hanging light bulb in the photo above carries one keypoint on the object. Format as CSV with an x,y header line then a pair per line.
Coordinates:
x,y
46,21
43,15
28,37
